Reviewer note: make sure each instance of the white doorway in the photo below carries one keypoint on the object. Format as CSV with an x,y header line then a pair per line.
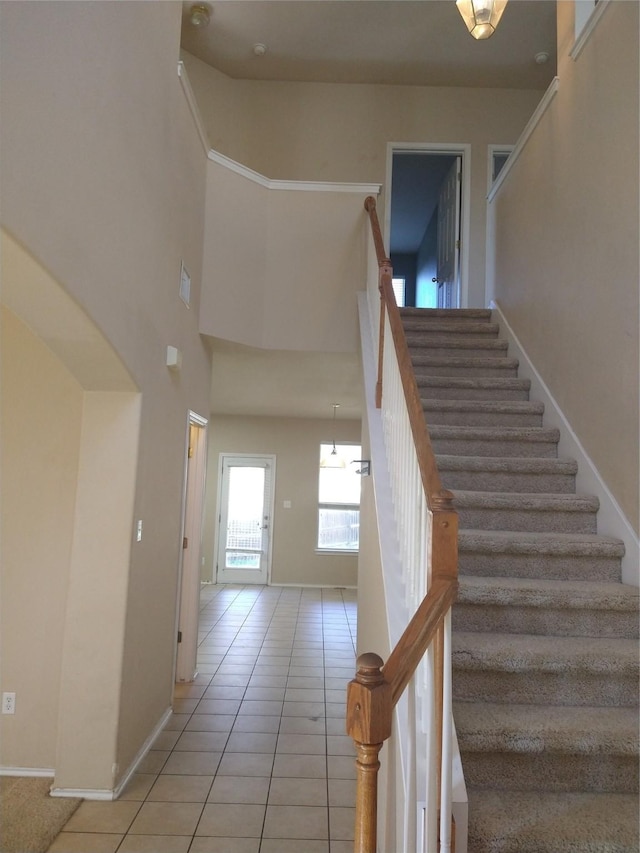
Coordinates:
x,y
245,511
427,221
189,582
448,238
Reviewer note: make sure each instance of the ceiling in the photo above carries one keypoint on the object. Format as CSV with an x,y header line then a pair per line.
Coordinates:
x,y
408,42
394,42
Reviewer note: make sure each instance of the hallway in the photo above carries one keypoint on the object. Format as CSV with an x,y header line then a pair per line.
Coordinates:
x,y
255,758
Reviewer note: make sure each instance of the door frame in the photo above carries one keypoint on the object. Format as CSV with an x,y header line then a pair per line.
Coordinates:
x,y
460,149
271,459
188,588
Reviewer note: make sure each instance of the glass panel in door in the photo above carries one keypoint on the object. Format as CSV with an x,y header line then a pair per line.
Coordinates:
x,y
243,534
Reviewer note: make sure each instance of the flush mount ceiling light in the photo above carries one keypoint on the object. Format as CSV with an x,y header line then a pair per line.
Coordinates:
x,y
481,16
200,15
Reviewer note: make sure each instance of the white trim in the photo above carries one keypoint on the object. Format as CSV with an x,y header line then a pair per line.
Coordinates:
x,y
531,125
337,552
271,460
316,585
45,772
193,106
250,174
306,186
459,149
106,794
611,519
592,22
492,150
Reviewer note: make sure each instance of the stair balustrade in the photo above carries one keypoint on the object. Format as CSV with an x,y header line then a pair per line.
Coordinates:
x,y
427,530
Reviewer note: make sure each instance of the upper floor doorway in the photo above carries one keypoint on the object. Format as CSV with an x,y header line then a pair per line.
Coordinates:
x,y
427,221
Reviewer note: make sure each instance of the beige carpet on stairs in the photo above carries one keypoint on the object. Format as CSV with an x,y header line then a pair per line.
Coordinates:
x,y
29,818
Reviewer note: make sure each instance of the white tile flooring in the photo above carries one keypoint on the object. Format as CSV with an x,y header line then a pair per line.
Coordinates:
x,y
255,758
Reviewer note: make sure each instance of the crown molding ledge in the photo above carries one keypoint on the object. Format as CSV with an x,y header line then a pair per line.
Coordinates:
x,y
531,125
250,174
305,186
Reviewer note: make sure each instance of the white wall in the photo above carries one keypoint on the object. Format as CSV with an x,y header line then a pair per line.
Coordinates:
x,y
567,264
339,132
295,442
103,179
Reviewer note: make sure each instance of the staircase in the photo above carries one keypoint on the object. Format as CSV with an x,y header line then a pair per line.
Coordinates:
x,y
545,642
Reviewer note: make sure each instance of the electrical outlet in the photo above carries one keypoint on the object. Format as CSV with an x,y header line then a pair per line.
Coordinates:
x,y
8,703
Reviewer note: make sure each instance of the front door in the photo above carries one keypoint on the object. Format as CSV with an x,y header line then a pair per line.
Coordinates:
x,y
244,519
449,238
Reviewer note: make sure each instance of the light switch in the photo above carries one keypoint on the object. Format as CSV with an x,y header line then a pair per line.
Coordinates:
x,y
286,504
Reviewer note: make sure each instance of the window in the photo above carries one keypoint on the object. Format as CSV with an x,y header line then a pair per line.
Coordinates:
x,y
398,285
338,498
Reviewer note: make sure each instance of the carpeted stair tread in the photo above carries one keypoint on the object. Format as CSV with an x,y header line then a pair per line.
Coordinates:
x,y
510,464
483,412
523,652
510,541
423,362
528,500
558,822
489,388
439,314
533,434
549,593
527,511
487,727
532,441
546,607
417,333
505,407
443,339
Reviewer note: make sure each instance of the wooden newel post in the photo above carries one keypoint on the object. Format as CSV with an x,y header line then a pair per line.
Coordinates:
x,y
369,724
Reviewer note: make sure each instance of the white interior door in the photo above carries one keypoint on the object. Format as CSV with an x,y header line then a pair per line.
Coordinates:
x,y
189,588
244,518
448,268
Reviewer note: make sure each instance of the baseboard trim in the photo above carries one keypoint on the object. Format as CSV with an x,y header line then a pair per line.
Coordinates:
x,y
44,772
317,585
106,794
611,519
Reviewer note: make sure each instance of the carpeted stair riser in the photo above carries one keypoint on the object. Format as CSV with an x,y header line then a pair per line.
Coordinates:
x,y
563,772
540,822
525,669
481,388
532,555
526,442
582,688
482,413
569,622
458,366
484,474
468,329
547,607
526,512
444,315
462,347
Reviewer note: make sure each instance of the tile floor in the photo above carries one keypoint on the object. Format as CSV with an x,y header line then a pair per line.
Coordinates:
x,y
255,758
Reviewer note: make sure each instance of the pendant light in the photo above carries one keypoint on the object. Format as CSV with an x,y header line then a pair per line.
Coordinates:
x,y
333,460
481,16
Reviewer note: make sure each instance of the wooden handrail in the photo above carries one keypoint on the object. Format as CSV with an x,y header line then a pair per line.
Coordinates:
x,y
377,686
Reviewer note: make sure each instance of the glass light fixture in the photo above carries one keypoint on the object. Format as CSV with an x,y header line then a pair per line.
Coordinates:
x,y
199,15
481,16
